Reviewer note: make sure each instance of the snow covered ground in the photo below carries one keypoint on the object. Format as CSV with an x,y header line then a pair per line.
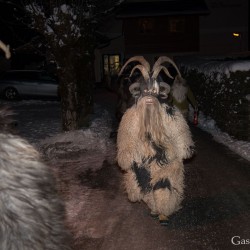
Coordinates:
x,y
207,124
92,145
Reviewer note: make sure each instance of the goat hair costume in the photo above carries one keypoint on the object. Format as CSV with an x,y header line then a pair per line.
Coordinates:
x,y
153,139
31,211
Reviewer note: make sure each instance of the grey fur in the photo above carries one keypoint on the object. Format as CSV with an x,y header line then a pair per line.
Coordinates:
x,y
6,120
31,212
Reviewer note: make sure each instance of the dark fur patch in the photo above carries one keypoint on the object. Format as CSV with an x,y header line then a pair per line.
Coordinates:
x,y
148,136
143,177
162,184
160,154
170,110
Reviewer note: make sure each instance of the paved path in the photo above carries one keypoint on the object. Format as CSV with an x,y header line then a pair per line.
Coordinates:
x,y
216,207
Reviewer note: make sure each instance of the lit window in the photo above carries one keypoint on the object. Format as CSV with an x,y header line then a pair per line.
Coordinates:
x,y
111,64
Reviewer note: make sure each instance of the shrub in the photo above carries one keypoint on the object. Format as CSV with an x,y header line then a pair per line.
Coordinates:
x,y
223,97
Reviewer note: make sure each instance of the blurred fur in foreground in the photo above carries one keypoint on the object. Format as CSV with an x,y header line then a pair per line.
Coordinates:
x,y
31,213
6,120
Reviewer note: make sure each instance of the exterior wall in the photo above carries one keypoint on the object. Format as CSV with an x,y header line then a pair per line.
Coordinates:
x,y
161,39
216,29
210,34
116,46
112,28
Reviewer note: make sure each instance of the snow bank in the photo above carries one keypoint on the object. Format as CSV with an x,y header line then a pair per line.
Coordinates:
x,y
207,124
208,66
91,146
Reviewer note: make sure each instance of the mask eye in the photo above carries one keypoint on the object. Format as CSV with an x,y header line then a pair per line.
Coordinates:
x,y
154,91
145,91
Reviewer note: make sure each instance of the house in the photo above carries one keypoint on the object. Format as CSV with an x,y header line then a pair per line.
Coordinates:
x,y
172,27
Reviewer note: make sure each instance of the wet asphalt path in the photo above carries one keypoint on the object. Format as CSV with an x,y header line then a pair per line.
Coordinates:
x,y
216,207
217,203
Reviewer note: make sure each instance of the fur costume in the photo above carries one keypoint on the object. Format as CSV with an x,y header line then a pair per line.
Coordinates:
x,y
182,95
31,213
153,139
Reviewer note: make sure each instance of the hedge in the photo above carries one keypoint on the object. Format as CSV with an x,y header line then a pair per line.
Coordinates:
x,y
223,97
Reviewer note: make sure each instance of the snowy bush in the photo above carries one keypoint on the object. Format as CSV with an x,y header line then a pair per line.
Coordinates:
x,y
221,91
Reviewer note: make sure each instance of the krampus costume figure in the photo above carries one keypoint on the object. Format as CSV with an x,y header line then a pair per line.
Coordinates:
x,y
31,213
153,139
182,95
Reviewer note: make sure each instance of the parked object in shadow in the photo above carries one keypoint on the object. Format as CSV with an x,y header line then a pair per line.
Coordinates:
x,y
16,84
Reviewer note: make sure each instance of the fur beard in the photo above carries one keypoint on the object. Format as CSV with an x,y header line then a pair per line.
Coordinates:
x,y
151,122
179,91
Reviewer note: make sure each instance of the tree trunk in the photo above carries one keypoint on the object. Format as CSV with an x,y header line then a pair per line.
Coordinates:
x,y
75,76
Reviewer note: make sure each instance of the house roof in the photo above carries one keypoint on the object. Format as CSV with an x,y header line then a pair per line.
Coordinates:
x,y
162,8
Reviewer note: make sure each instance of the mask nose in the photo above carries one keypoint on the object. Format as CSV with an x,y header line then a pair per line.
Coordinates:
x,y
149,100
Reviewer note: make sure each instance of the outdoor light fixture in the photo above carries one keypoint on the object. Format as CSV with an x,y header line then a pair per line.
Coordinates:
x,y
236,34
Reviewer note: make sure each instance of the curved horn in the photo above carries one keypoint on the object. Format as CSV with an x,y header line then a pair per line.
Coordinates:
x,y
165,85
132,89
140,59
163,59
144,72
157,71
166,89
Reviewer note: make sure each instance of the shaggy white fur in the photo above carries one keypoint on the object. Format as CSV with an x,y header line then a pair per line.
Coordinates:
x,y
160,186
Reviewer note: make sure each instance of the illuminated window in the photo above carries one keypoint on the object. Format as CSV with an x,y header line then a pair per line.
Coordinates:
x,y
111,64
176,25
